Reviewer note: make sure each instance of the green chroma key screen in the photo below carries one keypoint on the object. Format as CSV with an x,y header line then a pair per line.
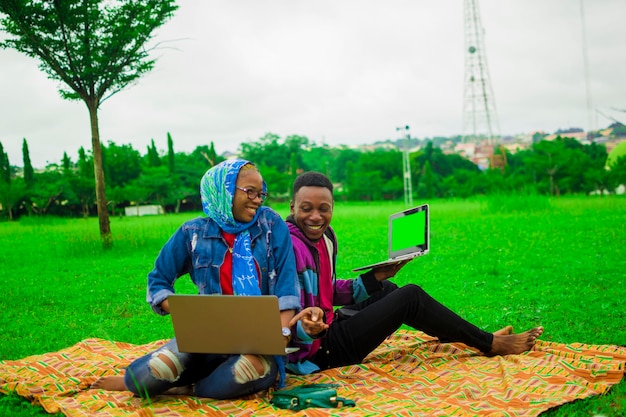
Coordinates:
x,y
409,231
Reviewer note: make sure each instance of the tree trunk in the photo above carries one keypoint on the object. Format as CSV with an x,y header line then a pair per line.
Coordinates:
x,y
101,200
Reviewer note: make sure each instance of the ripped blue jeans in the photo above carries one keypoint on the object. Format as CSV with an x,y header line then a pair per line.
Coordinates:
x,y
212,375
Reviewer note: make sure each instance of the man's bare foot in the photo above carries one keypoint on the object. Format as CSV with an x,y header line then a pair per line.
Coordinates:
x,y
110,383
504,331
512,344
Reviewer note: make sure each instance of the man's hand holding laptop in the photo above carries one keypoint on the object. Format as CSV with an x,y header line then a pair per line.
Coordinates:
x,y
384,272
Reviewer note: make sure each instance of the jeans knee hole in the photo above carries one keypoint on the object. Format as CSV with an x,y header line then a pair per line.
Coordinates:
x,y
245,371
165,366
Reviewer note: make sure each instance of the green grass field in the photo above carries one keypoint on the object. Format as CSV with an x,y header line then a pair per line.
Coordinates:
x,y
524,261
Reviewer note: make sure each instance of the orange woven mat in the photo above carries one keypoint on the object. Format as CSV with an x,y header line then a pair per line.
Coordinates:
x,y
409,374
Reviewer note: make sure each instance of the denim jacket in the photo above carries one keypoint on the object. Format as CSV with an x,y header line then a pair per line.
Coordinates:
x,y
197,248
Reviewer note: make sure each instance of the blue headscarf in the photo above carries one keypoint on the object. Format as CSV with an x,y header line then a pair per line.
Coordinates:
x,y
217,189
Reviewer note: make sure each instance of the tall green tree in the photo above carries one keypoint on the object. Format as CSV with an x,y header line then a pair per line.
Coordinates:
x,y
66,162
29,172
85,166
5,167
94,48
170,153
78,190
11,192
153,155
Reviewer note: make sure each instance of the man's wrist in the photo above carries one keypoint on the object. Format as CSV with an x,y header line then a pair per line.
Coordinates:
x,y
371,284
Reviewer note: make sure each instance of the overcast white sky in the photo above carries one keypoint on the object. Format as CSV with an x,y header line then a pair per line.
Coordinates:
x,y
338,72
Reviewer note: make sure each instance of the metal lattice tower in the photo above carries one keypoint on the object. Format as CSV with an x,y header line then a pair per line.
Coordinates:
x,y
480,120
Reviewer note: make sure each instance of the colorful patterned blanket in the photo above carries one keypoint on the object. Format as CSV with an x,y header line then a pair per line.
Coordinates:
x,y
410,374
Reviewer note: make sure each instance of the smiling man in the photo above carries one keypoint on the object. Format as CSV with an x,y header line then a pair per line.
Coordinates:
x,y
327,339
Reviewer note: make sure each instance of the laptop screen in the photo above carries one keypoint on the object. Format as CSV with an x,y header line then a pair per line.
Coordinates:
x,y
408,231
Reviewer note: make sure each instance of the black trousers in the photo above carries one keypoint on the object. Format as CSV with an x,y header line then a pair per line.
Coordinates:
x,y
349,340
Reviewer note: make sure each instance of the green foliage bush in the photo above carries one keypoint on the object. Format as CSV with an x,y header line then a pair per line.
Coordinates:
x,y
560,167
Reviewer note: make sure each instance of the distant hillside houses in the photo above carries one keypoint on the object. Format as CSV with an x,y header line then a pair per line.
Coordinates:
x,y
482,154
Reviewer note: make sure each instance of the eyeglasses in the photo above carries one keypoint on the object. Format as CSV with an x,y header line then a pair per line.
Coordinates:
x,y
252,194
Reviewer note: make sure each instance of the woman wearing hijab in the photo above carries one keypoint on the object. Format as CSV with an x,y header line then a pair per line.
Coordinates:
x,y
251,246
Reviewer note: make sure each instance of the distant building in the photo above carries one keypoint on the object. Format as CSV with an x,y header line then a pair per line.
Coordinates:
x,y
480,154
149,210
580,136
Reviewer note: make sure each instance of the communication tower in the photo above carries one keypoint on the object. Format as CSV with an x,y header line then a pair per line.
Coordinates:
x,y
480,120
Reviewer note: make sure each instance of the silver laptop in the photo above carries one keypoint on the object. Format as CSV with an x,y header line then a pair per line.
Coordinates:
x,y
227,324
408,237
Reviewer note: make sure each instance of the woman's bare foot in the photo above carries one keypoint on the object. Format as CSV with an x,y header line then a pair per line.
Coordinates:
x,y
110,383
504,331
186,390
512,344
116,383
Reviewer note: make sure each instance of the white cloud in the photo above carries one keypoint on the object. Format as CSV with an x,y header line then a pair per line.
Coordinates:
x,y
341,72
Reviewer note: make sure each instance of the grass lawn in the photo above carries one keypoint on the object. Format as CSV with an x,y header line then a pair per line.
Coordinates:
x,y
524,261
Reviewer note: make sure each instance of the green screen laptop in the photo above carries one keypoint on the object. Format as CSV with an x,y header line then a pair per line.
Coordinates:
x,y
408,236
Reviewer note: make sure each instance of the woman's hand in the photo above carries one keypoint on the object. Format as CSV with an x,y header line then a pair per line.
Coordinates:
x,y
312,320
